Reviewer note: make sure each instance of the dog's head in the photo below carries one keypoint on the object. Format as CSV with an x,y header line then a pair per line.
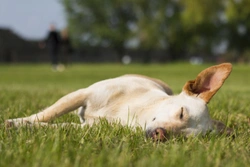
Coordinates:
x,y
187,113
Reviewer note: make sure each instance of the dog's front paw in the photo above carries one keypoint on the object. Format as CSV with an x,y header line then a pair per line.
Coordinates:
x,y
9,123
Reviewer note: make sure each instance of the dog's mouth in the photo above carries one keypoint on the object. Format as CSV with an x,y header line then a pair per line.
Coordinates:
x,y
157,135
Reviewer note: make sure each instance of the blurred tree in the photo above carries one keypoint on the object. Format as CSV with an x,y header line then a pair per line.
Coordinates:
x,y
181,27
150,18
159,27
174,34
201,21
100,22
238,25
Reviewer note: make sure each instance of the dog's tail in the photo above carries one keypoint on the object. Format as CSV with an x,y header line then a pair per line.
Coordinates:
x,y
64,105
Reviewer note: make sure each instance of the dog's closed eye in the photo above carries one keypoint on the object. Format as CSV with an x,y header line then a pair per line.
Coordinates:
x,y
181,114
154,119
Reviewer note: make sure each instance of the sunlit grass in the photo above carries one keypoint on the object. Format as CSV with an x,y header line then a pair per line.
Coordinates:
x,y
26,89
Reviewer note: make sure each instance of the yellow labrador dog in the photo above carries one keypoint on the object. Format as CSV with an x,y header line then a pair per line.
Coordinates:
x,y
136,100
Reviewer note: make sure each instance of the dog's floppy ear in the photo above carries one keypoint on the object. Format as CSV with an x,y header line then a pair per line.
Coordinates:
x,y
208,82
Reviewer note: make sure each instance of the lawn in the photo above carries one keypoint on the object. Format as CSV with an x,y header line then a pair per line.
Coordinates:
x,y
28,88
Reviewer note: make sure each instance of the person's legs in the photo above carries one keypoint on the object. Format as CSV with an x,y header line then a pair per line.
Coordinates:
x,y
54,58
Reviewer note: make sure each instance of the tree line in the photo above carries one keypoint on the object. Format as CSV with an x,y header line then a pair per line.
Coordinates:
x,y
181,27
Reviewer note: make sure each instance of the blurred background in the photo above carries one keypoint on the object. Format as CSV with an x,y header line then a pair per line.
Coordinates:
x,y
126,31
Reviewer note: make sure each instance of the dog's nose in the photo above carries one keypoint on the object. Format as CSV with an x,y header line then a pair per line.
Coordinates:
x,y
158,134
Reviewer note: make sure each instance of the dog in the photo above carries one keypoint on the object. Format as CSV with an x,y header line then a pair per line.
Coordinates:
x,y
137,100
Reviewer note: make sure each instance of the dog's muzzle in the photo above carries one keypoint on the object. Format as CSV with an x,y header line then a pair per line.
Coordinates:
x,y
158,134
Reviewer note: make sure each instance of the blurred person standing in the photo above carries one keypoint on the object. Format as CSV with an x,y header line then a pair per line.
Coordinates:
x,y
66,47
53,44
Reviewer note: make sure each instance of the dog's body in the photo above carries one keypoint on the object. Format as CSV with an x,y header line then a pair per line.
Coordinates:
x,y
137,100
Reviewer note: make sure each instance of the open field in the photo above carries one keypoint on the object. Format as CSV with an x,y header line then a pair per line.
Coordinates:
x,y
26,89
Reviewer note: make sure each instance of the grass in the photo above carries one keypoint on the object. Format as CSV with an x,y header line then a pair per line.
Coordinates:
x,y
28,88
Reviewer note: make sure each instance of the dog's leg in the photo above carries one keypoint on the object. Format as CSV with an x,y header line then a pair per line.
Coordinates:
x,y
81,112
64,105
43,124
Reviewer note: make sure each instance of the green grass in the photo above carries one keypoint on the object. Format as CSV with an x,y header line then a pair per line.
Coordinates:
x,y
26,89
